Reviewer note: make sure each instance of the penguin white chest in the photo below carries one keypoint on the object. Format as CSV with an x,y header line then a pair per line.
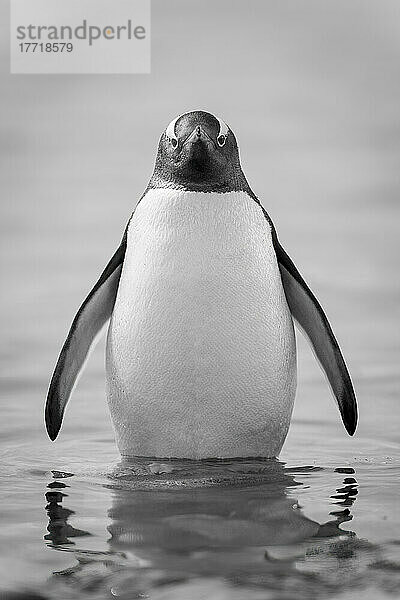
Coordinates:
x,y
201,357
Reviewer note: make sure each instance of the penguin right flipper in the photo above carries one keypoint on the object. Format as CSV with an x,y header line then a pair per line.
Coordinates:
x,y
309,314
90,318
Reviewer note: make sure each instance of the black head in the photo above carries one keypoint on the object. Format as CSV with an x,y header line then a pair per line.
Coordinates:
x,y
198,152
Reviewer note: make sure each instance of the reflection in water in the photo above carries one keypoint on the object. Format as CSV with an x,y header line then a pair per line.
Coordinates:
x,y
182,522
257,512
59,529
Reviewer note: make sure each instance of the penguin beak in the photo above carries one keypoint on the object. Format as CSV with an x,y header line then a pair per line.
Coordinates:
x,y
199,135
198,149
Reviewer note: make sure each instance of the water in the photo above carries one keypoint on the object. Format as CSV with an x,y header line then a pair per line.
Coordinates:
x,y
313,96
150,528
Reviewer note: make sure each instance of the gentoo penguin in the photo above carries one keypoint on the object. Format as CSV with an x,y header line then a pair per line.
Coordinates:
x,y
201,351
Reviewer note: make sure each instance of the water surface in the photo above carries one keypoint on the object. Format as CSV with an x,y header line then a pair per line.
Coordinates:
x,y
323,521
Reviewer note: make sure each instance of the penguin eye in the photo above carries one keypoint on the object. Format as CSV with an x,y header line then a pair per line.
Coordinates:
x,y
221,139
173,142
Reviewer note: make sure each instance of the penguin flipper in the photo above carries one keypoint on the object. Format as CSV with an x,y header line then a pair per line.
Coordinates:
x,y
309,314
90,318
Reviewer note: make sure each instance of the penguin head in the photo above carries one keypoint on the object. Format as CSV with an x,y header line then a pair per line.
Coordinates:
x,y
198,151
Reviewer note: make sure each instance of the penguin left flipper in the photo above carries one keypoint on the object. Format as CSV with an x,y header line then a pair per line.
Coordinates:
x,y
90,318
309,314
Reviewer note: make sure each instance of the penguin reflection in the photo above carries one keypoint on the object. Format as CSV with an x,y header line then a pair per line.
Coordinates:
x,y
246,515
59,530
211,523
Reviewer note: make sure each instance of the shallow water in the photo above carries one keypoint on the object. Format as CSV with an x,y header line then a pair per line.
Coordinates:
x,y
212,529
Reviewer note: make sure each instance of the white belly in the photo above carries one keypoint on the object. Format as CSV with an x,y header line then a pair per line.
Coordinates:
x,y
201,355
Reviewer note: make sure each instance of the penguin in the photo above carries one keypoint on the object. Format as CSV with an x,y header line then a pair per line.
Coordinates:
x,y
200,297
